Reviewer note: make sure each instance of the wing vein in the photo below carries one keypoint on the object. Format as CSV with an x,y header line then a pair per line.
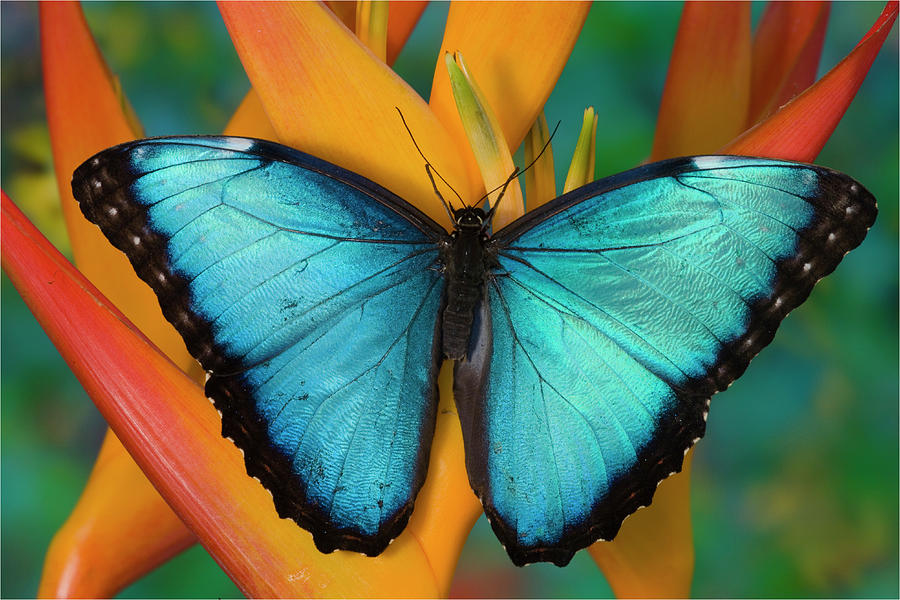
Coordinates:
x,y
637,399
377,363
409,275
543,382
605,312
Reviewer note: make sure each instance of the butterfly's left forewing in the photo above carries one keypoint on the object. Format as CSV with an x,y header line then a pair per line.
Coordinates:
x,y
615,313
279,271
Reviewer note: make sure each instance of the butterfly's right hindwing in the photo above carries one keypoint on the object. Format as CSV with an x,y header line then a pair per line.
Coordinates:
x,y
277,269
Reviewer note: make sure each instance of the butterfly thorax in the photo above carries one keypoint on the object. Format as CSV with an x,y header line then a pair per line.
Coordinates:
x,y
466,262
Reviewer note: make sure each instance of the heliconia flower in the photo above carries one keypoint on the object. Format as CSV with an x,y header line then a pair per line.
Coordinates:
x,y
800,128
716,70
318,88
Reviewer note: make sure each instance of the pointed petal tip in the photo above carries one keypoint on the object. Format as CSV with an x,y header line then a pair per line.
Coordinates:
x,y
581,168
787,46
486,140
799,129
707,89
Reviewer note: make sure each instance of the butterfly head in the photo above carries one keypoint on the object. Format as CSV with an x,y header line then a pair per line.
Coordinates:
x,y
469,219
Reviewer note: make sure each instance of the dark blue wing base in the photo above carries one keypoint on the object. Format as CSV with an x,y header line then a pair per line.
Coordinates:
x,y
845,212
125,225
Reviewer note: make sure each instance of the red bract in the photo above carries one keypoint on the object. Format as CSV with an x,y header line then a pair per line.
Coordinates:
x,y
800,128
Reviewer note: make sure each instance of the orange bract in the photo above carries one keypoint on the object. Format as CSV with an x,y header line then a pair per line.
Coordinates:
x,y
250,119
326,94
92,554
786,50
85,114
704,103
799,130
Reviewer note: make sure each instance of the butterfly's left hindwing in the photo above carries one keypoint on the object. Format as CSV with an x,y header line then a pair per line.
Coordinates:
x,y
278,269
616,312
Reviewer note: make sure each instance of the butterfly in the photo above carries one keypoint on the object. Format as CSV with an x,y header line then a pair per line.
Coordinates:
x,y
587,335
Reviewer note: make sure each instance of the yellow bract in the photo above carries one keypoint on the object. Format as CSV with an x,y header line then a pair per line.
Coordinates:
x,y
371,26
487,142
540,179
581,169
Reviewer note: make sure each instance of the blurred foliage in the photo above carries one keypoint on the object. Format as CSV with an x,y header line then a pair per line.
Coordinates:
x,y
796,483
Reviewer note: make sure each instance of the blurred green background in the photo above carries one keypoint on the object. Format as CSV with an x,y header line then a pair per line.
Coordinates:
x,y
795,486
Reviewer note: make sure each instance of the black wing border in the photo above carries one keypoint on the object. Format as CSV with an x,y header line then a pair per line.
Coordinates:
x,y
97,185
845,211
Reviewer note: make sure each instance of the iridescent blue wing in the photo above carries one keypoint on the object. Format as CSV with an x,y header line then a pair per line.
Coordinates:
x,y
278,269
616,312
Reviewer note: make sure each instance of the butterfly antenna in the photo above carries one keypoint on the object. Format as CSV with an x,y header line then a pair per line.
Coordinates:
x,y
447,205
429,168
502,188
516,172
544,149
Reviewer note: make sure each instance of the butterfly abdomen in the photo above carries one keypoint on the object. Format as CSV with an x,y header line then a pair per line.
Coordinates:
x,y
464,270
458,317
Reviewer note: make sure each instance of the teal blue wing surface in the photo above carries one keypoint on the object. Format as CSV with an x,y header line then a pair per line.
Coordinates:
x,y
278,268
616,311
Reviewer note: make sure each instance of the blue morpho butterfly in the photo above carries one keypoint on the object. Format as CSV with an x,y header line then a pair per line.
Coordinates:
x,y
588,335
